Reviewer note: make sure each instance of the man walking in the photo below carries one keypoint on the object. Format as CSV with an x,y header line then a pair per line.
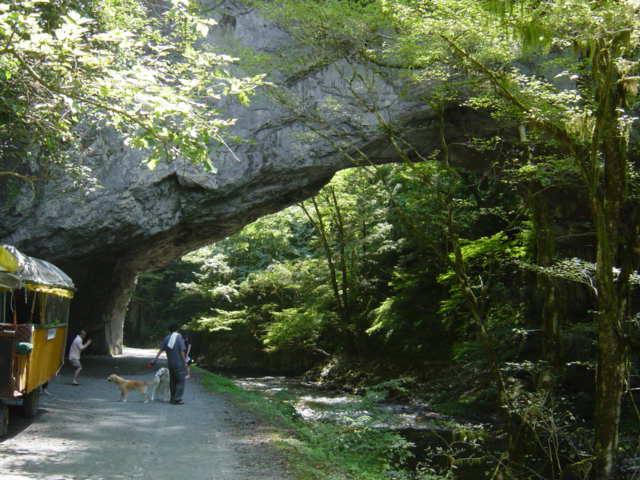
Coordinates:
x,y
77,346
173,346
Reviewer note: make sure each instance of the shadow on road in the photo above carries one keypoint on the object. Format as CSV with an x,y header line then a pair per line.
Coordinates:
x,y
84,433
133,362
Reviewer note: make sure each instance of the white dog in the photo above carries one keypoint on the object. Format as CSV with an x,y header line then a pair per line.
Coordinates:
x,y
160,385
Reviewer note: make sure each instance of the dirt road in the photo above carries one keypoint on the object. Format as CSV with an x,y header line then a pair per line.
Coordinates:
x,y
84,433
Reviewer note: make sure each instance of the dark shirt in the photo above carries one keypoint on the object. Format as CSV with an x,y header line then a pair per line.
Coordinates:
x,y
173,354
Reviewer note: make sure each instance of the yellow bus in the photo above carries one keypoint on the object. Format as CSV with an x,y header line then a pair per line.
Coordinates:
x,y
34,311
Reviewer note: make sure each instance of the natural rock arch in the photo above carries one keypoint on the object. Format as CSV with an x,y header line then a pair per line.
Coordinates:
x,y
138,219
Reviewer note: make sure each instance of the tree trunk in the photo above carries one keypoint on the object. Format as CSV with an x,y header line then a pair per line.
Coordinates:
x,y
609,194
609,389
547,287
475,308
611,350
340,289
513,423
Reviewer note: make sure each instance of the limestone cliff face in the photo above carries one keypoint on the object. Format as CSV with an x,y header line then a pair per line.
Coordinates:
x,y
137,219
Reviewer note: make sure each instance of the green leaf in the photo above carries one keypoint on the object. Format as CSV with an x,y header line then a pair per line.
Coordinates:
x,y
202,29
152,163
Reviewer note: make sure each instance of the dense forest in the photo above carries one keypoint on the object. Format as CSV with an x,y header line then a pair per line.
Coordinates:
x,y
356,287
498,284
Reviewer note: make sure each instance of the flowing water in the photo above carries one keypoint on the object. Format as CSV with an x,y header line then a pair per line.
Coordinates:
x,y
426,429
313,403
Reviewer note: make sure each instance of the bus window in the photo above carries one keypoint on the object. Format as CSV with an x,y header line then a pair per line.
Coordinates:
x,y
4,308
9,307
40,308
21,306
57,310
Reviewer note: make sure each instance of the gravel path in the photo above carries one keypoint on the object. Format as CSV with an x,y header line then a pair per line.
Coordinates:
x,y
84,433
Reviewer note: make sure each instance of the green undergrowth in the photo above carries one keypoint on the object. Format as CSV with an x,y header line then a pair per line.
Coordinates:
x,y
321,450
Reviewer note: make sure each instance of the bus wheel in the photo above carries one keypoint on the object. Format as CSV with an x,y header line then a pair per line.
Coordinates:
x,y
30,403
4,419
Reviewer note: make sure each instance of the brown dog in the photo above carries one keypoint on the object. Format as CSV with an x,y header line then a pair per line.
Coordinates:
x,y
127,386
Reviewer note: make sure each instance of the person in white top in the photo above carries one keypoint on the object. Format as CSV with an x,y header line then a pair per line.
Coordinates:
x,y
77,346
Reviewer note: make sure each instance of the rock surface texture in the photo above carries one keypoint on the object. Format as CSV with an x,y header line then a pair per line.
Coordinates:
x,y
137,219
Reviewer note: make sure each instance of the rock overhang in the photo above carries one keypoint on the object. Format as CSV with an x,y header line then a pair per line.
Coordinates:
x,y
136,219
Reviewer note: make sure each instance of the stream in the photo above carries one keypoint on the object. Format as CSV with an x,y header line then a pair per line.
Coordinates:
x,y
314,404
427,430
431,433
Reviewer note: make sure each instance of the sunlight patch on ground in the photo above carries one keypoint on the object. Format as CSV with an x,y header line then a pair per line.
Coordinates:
x,y
138,352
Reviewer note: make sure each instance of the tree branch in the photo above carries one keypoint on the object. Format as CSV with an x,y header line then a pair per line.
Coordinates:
x,y
103,106
26,178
